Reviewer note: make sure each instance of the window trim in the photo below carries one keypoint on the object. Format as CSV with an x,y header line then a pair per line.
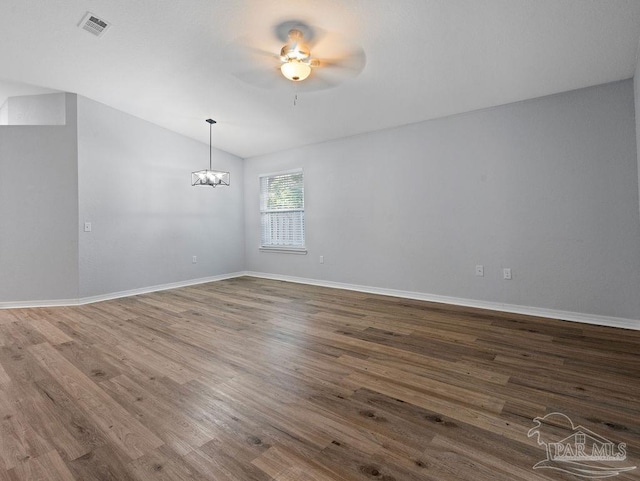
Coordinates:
x,y
284,250
302,250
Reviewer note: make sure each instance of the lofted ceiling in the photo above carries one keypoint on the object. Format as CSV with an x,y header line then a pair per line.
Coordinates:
x,y
177,62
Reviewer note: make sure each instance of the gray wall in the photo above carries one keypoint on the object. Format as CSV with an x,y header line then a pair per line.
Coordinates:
x,y
39,211
45,109
4,113
147,220
636,87
547,187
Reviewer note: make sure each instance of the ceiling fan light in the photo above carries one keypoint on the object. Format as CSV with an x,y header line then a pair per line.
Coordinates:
x,y
295,52
295,71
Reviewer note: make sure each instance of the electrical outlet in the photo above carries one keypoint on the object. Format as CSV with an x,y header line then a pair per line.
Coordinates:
x,y
321,259
480,271
194,259
506,273
87,226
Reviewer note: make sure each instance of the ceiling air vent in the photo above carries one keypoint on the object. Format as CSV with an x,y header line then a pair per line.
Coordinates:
x,y
94,25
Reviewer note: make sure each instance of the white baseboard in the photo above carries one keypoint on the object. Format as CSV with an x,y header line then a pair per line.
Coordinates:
x,y
28,304
161,287
493,306
117,295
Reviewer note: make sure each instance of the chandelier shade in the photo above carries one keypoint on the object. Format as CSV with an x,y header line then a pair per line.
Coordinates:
x,y
209,177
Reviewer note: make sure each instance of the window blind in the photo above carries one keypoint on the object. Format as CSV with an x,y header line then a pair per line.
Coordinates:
x,y
282,209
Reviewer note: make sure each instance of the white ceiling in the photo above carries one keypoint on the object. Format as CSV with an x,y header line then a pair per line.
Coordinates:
x,y
177,62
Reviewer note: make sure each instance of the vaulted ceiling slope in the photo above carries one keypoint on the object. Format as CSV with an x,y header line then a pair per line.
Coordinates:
x,y
178,62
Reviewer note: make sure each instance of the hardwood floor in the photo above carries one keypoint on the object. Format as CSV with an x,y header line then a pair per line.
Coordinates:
x,y
251,379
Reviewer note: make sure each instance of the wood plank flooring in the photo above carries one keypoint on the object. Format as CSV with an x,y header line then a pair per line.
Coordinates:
x,y
254,380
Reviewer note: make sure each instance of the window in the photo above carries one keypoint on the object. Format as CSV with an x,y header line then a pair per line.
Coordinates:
x,y
282,211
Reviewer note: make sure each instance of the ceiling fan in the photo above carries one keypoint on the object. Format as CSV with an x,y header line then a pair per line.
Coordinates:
x,y
310,57
296,57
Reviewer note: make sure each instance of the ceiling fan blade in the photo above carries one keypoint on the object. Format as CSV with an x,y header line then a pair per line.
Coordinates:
x,y
319,80
254,51
317,37
245,52
269,78
253,65
353,61
329,73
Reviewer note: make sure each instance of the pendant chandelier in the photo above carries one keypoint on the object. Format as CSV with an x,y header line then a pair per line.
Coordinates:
x,y
209,176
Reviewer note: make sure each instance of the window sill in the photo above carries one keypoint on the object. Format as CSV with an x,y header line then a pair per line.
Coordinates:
x,y
285,250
